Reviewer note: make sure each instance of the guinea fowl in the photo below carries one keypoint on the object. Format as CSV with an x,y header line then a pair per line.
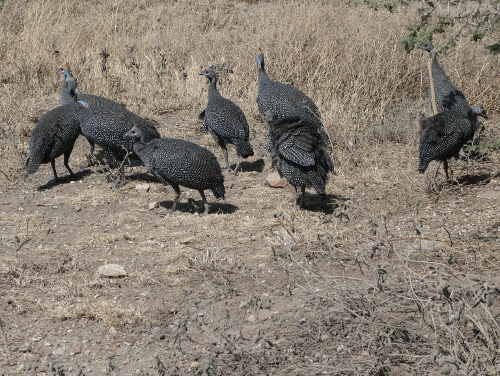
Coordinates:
x,y
226,122
444,134
179,162
56,132
298,152
106,125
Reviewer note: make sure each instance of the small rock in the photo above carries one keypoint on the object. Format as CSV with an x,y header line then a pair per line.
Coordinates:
x,y
195,365
143,187
274,180
252,318
77,208
243,304
153,205
187,240
25,348
111,271
244,240
112,330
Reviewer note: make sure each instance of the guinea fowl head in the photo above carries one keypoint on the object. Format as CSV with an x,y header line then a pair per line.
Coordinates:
x,y
65,70
427,46
480,111
210,74
135,134
260,60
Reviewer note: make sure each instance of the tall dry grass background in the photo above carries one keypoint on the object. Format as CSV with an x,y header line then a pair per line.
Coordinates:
x,y
342,54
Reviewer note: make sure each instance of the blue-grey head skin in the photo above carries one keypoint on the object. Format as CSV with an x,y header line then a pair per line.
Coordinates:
x,y
210,74
225,121
479,111
179,163
427,46
260,60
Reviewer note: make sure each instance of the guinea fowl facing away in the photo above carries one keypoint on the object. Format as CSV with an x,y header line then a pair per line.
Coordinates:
x,y
225,121
443,94
286,102
106,124
444,134
179,162
55,133
298,152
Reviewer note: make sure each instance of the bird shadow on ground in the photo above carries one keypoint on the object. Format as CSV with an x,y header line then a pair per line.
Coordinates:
x,y
143,177
255,166
65,180
330,204
476,179
189,207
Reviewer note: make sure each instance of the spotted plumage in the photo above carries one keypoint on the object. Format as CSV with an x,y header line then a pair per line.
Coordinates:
x,y
179,163
107,122
55,133
298,152
225,121
446,93
285,101
443,135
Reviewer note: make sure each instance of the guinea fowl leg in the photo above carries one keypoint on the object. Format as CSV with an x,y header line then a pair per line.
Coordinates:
x,y
66,164
433,181
177,196
53,164
237,168
224,151
91,153
205,203
303,191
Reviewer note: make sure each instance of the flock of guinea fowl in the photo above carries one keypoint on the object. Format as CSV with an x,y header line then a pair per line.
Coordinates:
x,y
297,142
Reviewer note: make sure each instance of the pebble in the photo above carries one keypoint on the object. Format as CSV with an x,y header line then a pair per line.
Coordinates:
x,y
25,348
143,187
111,271
153,205
274,180
77,208
187,240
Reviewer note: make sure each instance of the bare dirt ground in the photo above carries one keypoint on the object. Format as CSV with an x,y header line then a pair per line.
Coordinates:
x,y
384,277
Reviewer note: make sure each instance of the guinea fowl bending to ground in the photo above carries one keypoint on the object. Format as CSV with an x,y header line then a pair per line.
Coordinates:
x,y
107,123
298,152
55,133
179,162
443,94
443,135
226,122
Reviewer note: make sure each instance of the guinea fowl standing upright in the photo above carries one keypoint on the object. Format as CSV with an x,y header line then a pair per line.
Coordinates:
x,y
107,123
298,151
444,134
56,132
453,123
286,102
226,121
179,162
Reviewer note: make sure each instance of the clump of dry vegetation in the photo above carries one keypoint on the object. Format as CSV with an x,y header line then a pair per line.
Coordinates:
x,y
381,279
